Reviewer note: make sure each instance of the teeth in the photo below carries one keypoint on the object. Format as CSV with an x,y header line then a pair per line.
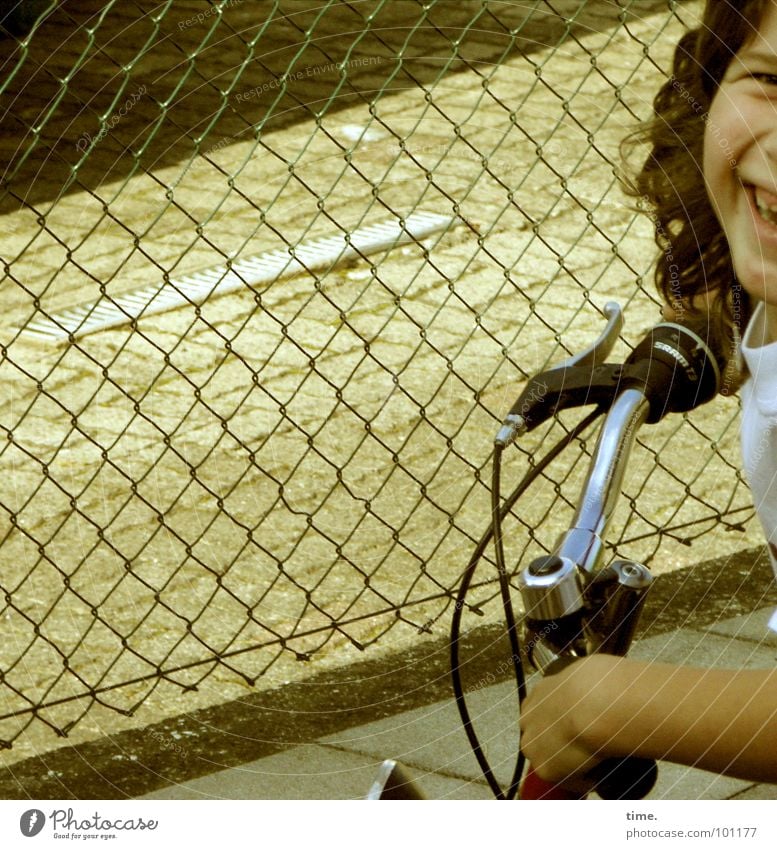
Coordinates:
x,y
766,211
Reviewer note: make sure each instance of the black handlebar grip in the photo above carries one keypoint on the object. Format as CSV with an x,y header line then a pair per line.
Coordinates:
x,y
624,778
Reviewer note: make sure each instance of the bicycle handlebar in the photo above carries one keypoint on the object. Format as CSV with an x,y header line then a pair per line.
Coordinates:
x,y
573,608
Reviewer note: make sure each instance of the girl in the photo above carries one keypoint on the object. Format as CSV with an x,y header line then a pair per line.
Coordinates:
x,y
711,178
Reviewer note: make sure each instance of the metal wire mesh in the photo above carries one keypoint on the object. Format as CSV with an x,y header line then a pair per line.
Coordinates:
x,y
196,497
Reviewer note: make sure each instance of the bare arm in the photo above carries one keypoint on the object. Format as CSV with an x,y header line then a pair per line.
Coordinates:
x,y
723,720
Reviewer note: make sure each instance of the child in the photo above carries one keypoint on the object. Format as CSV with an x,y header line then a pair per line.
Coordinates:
x,y
711,178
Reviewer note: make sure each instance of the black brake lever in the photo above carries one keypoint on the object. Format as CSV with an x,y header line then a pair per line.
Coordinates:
x,y
582,379
673,367
558,389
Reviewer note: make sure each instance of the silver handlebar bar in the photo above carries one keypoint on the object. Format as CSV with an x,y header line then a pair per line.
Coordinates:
x,y
673,369
583,541
572,606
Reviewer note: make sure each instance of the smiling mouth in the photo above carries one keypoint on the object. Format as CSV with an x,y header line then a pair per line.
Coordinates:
x,y
766,204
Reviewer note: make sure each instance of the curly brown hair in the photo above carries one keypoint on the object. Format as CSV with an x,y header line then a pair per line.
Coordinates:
x,y
695,265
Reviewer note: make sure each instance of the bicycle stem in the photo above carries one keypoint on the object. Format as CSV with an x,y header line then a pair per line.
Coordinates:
x,y
573,608
582,543
568,601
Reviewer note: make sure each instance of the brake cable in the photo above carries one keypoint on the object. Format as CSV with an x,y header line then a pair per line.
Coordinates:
x,y
499,512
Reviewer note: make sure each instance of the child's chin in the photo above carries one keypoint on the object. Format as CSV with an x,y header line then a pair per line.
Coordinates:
x,y
758,278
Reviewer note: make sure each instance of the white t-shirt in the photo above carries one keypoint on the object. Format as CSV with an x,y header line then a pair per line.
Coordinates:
x,y
759,428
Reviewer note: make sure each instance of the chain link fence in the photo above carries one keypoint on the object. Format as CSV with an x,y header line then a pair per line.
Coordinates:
x,y
272,274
